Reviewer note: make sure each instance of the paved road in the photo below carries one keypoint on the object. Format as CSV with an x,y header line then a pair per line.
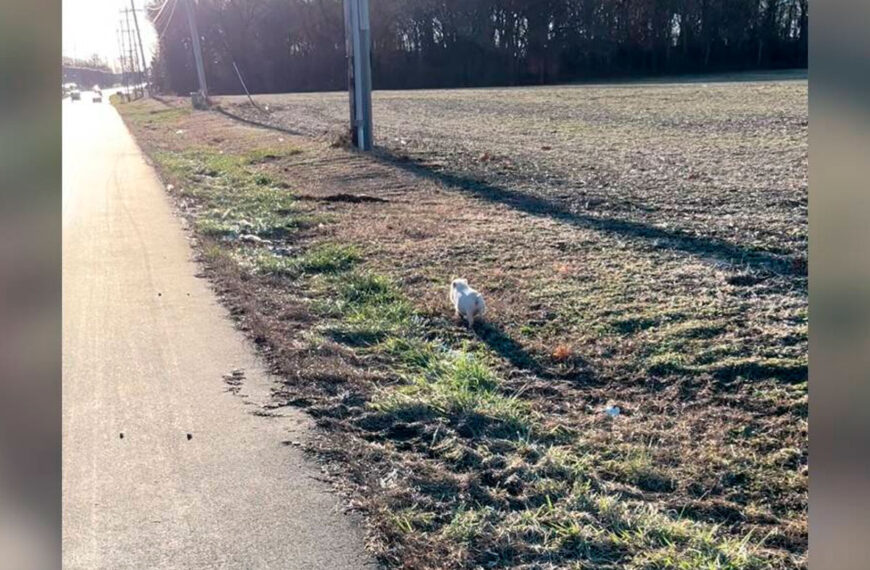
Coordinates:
x,y
145,345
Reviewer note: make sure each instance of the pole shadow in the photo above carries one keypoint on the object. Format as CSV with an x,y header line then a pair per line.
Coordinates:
x,y
673,239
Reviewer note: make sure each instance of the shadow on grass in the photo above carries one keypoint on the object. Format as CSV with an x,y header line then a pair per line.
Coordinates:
x,y
497,340
256,123
502,344
677,240
719,250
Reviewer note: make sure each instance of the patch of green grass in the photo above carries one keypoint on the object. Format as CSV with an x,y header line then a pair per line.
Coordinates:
x,y
695,548
271,264
411,519
323,259
268,154
413,353
461,385
141,113
234,199
465,391
561,461
330,258
370,307
468,524
225,176
652,539
365,288
215,228
638,468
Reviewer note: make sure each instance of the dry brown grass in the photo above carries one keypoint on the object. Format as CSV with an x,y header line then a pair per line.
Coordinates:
x,y
633,299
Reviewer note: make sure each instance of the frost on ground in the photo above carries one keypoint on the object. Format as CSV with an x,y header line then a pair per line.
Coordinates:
x,y
636,394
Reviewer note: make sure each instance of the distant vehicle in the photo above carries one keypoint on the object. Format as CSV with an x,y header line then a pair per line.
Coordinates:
x,y
75,95
98,94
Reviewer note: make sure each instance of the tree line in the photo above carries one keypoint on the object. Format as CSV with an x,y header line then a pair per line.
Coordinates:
x,y
298,45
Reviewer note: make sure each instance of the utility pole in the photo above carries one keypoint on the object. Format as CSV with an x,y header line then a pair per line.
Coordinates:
x,y
139,36
125,79
132,56
359,57
130,64
197,54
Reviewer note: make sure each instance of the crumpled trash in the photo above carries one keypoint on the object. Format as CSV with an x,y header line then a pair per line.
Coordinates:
x,y
612,411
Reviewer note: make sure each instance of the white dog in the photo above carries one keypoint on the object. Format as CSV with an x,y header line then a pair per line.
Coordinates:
x,y
467,302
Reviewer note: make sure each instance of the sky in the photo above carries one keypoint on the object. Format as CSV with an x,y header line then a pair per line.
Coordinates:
x,y
89,27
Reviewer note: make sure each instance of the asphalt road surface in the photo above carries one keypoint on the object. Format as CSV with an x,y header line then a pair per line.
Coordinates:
x,y
163,467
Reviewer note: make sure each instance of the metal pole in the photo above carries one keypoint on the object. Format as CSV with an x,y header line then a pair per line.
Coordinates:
x,y
365,77
348,46
197,52
139,36
357,13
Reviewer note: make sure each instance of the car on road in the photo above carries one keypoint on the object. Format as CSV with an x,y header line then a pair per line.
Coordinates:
x,y
98,94
75,95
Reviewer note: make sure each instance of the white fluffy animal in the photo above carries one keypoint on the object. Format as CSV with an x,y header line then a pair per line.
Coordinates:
x,y
467,302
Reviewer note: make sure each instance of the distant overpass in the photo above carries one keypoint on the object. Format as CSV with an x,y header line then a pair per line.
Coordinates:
x,y
87,76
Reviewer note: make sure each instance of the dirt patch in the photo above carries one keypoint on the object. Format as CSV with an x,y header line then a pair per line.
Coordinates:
x,y
344,197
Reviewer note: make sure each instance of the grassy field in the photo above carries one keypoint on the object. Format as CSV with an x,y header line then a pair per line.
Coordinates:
x,y
642,246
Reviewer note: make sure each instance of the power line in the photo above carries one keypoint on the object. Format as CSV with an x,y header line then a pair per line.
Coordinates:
x,y
168,20
160,11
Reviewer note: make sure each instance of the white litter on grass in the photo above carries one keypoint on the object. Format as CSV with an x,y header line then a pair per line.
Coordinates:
x,y
170,187
179,132
251,238
612,411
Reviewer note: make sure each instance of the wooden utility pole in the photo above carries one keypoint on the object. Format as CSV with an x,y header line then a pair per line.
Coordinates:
x,y
128,52
197,54
359,54
132,56
139,37
124,75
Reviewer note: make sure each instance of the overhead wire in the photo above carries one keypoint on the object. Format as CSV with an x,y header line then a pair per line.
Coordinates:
x,y
168,20
160,11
